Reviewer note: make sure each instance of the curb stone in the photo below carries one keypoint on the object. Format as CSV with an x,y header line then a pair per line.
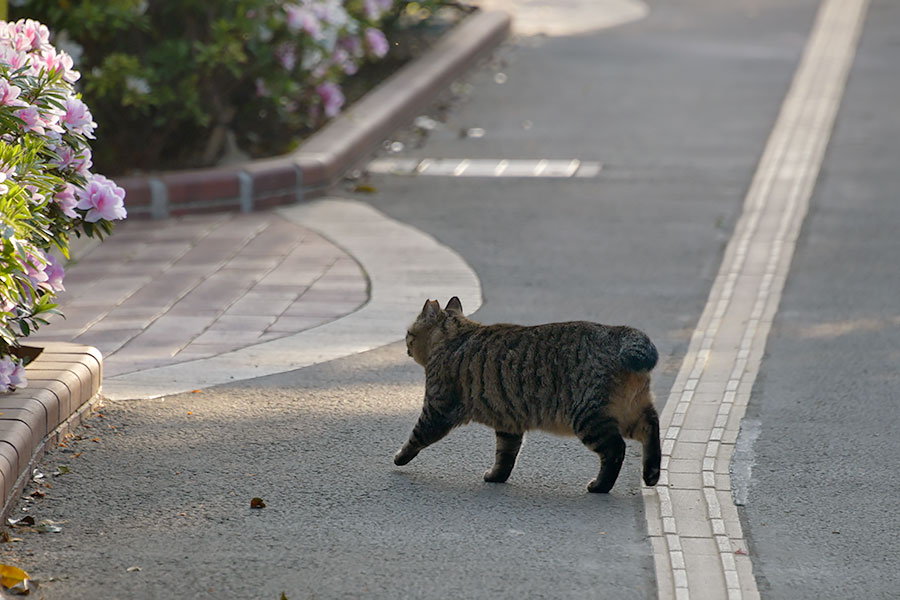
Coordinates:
x,y
333,150
63,383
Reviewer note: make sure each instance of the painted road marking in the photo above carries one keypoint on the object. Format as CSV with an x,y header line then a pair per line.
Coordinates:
x,y
485,167
698,542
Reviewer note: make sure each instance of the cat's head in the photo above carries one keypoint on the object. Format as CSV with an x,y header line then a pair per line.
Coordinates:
x,y
432,325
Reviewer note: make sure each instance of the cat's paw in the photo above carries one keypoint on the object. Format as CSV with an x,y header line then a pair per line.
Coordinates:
x,y
598,486
495,476
651,475
404,455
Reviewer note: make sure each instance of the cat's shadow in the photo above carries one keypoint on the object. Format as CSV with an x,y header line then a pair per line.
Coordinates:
x,y
524,492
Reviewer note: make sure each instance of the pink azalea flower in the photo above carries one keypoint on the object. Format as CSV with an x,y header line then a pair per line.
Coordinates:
x,y
14,59
6,172
69,158
332,12
36,196
83,161
31,35
287,56
342,59
377,43
55,274
7,305
372,9
102,198
9,94
78,118
299,18
12,373
332,98
32,118
66,201
352,45
35,267
54,63
40,121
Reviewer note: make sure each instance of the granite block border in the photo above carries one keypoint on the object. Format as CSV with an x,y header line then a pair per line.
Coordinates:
x,y
63,383
333,150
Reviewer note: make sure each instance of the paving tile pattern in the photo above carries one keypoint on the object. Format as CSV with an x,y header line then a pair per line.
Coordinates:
x,y
157,293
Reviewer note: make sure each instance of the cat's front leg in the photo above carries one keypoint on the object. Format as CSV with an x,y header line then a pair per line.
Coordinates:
x,y
508,445
433,424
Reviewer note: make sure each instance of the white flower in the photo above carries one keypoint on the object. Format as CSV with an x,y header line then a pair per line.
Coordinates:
x,y
138,85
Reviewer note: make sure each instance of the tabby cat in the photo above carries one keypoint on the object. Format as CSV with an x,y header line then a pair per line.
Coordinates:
x,y
576,378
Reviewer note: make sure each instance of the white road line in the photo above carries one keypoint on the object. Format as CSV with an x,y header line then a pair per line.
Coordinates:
x,y
405,267
485,167
712,389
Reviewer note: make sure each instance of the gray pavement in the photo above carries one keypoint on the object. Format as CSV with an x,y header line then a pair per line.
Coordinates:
x,y
677,107
824,463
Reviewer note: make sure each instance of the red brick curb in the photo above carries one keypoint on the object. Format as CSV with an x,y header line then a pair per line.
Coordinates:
x,y
325,156
61,383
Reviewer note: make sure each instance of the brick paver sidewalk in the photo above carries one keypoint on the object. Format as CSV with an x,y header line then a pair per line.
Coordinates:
x,y
157,293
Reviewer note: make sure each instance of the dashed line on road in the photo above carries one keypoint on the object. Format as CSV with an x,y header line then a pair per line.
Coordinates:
x,y
485,167
698,542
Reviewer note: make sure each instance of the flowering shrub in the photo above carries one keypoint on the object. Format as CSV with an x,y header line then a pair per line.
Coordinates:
x,y
175,79
47,190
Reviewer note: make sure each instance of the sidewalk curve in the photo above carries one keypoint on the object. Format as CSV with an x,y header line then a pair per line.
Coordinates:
x,y
405,267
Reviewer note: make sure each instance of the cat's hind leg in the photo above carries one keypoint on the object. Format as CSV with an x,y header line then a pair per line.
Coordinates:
x,y
600,433
647,432
508,445
432,425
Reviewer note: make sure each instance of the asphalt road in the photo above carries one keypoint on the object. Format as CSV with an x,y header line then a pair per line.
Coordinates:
x,y
824,480
678,108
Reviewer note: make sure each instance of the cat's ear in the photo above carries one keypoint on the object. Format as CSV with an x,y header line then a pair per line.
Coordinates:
x,y
431,309
454,306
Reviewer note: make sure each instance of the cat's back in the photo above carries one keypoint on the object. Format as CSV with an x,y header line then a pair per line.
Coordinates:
x,y
556,349
583,337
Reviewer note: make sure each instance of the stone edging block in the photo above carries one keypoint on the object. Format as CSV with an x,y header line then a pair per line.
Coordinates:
x,y
329,153
62,382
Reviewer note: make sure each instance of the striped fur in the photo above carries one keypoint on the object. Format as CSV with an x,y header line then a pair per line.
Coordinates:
x,y
577,378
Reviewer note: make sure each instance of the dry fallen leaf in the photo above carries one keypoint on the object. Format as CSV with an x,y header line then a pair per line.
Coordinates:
x,y
14,579
25,521
6,538
38,494
96,440
257,503
365,188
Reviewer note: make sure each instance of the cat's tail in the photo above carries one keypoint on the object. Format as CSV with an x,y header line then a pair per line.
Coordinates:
x,y
636,351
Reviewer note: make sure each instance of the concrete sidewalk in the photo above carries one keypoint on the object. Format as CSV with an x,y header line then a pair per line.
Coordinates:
x,y
188,303
158,293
